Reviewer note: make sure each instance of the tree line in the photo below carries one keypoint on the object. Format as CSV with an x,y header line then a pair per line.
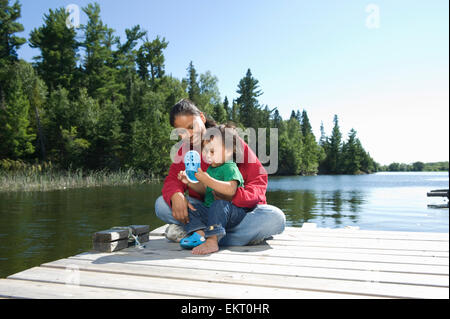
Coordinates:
x,y
415,167
93,100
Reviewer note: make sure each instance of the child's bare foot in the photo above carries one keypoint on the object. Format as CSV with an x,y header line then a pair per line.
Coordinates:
x,y
208,247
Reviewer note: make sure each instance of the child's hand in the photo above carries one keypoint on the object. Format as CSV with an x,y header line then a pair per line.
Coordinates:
x,y
201,175
182,177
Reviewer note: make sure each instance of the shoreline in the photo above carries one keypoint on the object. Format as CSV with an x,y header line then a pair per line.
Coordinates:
x,y
30,181
41,181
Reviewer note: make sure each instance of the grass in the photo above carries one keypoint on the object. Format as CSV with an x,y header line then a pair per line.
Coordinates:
x,y
45,178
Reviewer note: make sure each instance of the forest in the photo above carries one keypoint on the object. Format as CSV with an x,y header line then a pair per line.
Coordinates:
x,y
93,101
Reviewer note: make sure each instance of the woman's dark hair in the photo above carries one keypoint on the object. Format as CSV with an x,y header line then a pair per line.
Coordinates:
x,y
187,107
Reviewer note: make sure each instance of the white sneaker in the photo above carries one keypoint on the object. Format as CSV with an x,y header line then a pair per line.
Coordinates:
x,y
259,241
175,233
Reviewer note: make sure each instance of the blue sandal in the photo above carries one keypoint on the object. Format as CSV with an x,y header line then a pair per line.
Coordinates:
x,y
192,241
192,163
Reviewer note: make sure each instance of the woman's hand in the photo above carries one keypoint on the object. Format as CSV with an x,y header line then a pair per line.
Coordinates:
x,y
182,177
180,205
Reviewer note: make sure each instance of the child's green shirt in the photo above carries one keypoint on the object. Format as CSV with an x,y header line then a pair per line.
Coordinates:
x,y
226,172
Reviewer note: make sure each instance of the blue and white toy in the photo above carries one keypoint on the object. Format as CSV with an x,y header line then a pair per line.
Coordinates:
x,y
192,163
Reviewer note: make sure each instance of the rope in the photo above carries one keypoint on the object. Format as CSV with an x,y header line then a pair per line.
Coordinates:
x,y
131,237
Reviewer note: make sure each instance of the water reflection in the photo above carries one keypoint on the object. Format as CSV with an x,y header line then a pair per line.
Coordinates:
x,y
297,206
327,208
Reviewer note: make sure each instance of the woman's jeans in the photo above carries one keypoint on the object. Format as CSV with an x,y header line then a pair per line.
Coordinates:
x,y
262,222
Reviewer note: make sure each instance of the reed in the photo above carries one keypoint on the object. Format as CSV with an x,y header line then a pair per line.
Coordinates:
x,y
18,176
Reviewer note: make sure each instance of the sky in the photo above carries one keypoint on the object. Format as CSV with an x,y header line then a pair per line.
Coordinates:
x,y
381,66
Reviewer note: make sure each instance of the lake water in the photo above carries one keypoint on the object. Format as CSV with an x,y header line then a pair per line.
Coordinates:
x,y
39,227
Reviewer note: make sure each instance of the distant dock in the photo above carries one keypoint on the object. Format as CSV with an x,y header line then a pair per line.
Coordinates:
x,y
439,193
307,262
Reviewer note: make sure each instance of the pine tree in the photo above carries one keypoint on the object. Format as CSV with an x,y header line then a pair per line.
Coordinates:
x,y
265,116
249,91
311,150
150,59
306,125
150,143
333,149
310,155
74,148
37,98
57,115
235,112
298,116
335,146
277,120
15,135
290,148
293,115
100,76
193,85
13,124
227,108
125,55
107,138
323,137
219,115
35,91
123,63
9,42
323,149
368,165
351,155
57,64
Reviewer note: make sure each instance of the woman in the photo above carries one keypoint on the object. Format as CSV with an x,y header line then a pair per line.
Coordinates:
x,y
172,207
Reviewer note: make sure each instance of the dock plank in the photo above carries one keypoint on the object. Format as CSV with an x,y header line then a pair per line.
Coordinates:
x,y
355,234
281,243
15,288
372,243
359,233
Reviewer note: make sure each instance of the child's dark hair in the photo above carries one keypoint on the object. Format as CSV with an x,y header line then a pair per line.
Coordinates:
x,y
187,107
227,131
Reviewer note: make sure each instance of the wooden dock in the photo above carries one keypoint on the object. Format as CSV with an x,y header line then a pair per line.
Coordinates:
x,y
305,262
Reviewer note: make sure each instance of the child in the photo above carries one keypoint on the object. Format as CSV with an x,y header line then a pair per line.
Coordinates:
x,y
212,218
